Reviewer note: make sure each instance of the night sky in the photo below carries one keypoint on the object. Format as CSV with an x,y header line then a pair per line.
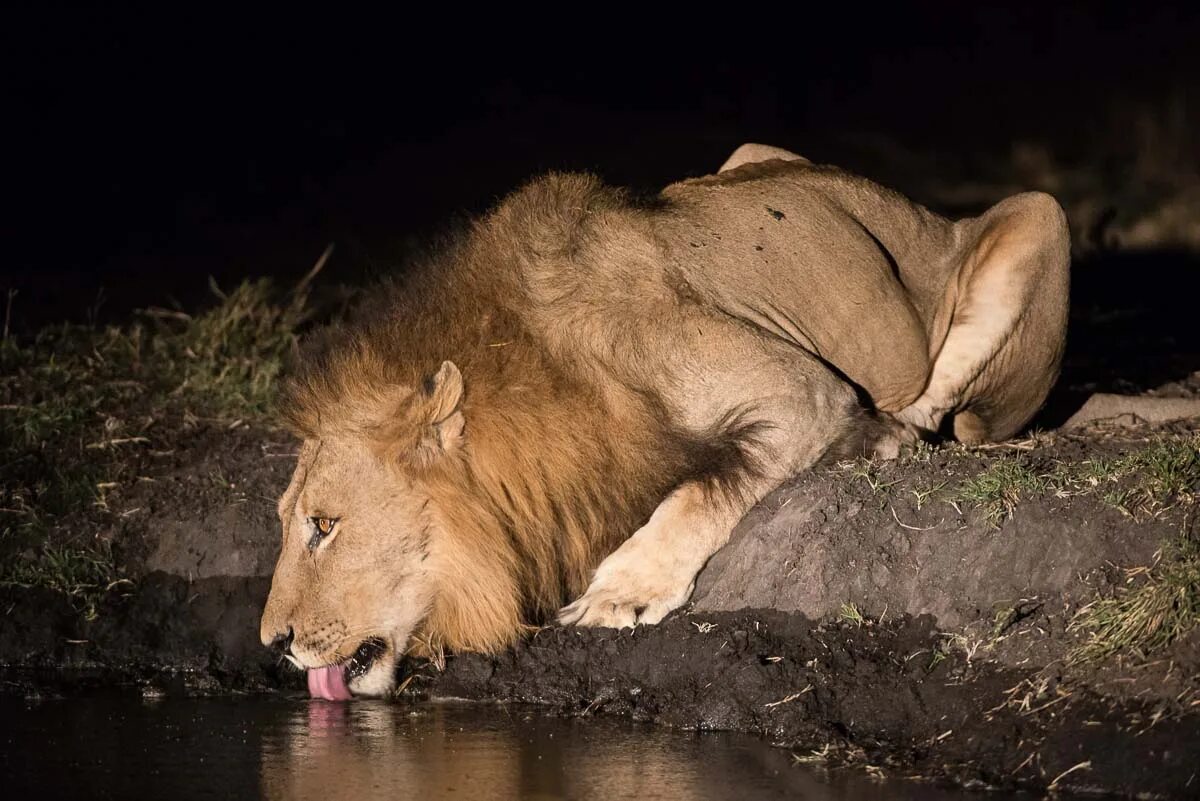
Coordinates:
x,y
143,153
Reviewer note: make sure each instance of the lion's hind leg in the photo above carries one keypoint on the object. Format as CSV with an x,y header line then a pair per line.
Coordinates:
x,y
1004,346
752,153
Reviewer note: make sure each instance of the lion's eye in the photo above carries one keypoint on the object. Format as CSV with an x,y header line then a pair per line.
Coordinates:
x,y
322,527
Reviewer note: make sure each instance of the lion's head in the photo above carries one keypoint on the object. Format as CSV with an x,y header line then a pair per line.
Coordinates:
x,y
351,583
372,548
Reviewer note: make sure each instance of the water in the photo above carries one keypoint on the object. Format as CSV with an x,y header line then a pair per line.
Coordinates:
x,y
258,748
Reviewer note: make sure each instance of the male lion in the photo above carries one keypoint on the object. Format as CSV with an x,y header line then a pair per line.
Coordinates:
x,y
584,396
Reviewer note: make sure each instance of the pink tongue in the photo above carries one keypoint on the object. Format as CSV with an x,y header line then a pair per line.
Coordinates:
x,y
329,683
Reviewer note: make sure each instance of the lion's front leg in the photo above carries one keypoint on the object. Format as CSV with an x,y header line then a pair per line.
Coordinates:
x,y
654,571
798,409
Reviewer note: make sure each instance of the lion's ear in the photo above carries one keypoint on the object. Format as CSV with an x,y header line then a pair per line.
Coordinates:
x,y
424,424
443,413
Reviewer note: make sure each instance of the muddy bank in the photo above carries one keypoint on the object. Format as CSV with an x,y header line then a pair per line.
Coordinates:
x,y
923,621
965,536
952,533
168,634
878,697
192,535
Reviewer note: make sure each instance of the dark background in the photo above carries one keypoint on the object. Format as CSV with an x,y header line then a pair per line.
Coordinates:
x,y
144,152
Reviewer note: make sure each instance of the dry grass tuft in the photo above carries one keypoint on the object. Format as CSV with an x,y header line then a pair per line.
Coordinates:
x,y
1159,604
850,613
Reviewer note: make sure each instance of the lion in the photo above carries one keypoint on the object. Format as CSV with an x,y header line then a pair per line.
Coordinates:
x,y
581,398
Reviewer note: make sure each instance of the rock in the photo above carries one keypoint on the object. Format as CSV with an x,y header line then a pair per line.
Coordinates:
x,y
1133,409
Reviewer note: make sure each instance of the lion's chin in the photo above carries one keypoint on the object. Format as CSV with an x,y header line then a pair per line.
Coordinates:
x,y
379,679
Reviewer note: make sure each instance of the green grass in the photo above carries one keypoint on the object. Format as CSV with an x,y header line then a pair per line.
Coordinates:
x,y
1146,480
940,652
84,574
999,487
1160,604
223,362
230,357
74,399
1149,479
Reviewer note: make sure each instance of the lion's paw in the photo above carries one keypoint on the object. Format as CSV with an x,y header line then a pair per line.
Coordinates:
x,y
897,437
919,417
628,590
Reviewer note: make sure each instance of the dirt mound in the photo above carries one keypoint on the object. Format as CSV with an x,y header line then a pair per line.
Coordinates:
x,y
954,533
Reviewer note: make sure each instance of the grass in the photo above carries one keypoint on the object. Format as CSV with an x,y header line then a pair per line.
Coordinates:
x,y
997,489
84,575
222,362
1159,604
868,471
1147,480
922,496
230,357
940,652
850,613
74,399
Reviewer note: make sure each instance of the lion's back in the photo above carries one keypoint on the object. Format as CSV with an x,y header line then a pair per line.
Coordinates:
x,y
800,253
808,254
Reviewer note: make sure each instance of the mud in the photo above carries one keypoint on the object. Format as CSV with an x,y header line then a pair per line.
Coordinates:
x,y
871,696
964,666
960,667
194,535
895,541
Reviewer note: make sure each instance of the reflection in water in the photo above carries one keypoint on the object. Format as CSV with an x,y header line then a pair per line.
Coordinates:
x,y
276,748
372,749
366,749
378,750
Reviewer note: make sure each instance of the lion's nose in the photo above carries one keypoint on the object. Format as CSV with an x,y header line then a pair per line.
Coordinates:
x,y
283,642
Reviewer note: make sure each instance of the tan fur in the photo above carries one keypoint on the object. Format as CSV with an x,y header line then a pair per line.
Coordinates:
x,y
520,519
514,412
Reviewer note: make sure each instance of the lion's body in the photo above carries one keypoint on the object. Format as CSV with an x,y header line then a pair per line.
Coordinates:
x,y
826,262
652,367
